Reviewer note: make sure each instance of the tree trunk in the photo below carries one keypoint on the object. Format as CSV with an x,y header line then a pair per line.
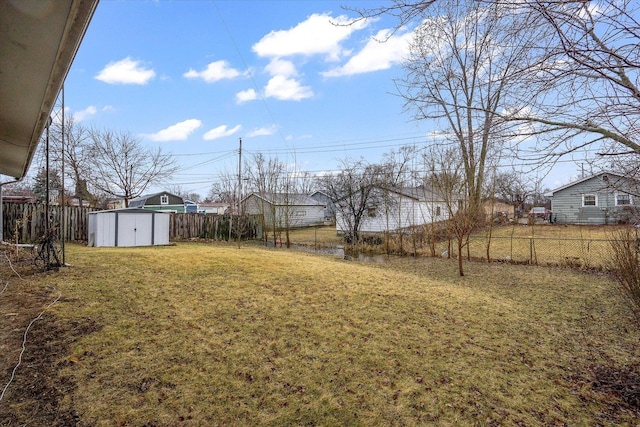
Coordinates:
x,y
460,245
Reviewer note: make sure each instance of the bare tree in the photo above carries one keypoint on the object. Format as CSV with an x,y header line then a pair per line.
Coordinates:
x,y
353,192
76,155
396,174
587,81
123,168
304,181
403,10
461,66
225,189
185,194
518,189
265,180
445,174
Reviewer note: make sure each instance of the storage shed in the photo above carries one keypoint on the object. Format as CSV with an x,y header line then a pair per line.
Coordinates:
x,y
128,227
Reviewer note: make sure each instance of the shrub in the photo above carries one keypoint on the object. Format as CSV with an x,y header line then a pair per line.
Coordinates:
x,y
625,265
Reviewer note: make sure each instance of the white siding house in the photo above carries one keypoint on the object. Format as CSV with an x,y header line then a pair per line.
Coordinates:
x,y
329,208
276,208
213,208
128,227
603,198
400,208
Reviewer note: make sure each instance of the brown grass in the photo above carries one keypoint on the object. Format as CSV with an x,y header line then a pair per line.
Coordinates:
x,y
321,237
538,244
198,334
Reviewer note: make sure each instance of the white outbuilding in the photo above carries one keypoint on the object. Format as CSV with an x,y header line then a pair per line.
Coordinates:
x,y
128,227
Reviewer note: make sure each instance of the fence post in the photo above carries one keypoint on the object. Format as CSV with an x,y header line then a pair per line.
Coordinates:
x,y
531,250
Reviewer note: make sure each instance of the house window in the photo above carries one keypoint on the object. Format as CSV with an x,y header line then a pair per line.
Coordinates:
x,y
164,199
438,213
623,199
589,200
371,212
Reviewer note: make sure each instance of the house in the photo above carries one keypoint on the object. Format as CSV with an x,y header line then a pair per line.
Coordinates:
x,y
116,204
603,198
128,227
299,210
159,202
329,207
213,208
398,209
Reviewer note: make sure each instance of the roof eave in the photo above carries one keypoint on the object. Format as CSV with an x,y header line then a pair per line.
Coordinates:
x,y
50,72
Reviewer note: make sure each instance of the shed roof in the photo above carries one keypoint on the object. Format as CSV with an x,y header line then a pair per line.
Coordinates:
x,y
131,210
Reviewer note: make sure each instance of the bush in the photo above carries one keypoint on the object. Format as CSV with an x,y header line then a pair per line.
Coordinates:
x,y
625,265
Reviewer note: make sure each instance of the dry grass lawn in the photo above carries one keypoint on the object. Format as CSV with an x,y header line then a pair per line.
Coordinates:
x,y
199,334
538,244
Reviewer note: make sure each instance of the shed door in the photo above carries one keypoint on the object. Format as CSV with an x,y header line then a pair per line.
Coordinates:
x,y
134,229
142,230
161,232
105,229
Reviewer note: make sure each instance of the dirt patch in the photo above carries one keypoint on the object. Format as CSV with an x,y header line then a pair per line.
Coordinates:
x,y
621,382
32,397
617,387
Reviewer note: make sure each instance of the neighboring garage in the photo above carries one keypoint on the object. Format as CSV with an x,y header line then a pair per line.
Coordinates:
x,y
128,227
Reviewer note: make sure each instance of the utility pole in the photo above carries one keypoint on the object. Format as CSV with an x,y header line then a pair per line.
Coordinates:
x,y
239,174
239,187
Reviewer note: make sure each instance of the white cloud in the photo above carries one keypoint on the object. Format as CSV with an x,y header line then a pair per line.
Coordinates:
x,y
376,55
246,95
178,132
285,89
126,71
214,72
269,130
281,67
79,116
319,34
220,132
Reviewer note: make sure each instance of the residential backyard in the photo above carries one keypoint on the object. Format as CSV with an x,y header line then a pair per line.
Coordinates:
x,y
211,334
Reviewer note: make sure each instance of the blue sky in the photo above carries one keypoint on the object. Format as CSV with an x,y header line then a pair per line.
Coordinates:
x,y
195,76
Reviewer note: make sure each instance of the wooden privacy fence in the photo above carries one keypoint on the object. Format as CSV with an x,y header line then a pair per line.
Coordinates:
x,y
216,227
25,222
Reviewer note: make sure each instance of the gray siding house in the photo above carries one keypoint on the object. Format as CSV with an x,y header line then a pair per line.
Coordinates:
x,y
603,198
276,208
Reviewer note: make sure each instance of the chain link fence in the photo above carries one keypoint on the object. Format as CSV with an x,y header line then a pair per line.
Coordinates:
x,y
586,248
574,252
